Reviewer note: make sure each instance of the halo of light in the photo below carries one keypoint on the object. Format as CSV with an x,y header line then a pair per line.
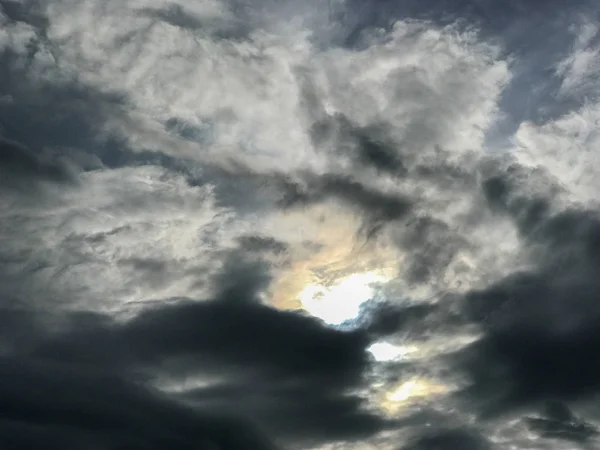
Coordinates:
x,y
341,301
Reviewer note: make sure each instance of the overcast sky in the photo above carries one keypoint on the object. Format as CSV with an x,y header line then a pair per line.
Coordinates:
x,y
268,225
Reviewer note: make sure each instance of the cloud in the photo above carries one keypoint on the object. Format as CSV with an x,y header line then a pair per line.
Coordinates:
x,y
378,207
174,177
177,16
564,148
424,114
18,162
579,69
262,244
50,405
230,354
448,439
532,352
559,422
106,253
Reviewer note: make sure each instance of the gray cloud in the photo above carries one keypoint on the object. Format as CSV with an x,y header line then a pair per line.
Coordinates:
x,y
175,181
50,405
176,15
20,163
378,207
557,421
447,439
280,368
538,323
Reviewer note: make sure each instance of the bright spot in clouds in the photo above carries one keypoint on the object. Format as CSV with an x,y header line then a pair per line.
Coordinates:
x,y
384,351
408,392
341,301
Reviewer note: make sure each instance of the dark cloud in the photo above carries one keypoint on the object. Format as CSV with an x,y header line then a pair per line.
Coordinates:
x,y
254,243
448,440
558,422
202,134
374,148
50,122
541,324
299,410
41,114
370,146
507,193
378,207
50,405
28,12
389,318
530,353
287,371
238,340
432,244
20,164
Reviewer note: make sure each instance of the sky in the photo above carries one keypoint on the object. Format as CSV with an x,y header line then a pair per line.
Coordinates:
x,y
269,225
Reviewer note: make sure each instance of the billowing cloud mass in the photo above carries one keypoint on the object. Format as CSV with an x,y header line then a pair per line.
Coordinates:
x,y
269,225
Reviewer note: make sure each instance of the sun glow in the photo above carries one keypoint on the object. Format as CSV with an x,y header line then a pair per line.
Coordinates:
x,y
385,352
410,392
341,301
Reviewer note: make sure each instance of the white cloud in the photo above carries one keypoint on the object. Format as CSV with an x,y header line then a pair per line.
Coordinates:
x,y
122,236
566,148
434,86
579,70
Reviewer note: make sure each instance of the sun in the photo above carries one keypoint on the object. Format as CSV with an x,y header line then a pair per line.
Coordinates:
x,y
342,300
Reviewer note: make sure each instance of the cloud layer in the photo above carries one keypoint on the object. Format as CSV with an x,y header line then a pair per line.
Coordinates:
x,y
176,179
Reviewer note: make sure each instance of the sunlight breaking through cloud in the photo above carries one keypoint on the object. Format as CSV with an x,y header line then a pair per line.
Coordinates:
x,y
265,225
341,300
